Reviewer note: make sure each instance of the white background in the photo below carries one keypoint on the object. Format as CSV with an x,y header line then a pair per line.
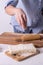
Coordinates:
x,y
4,19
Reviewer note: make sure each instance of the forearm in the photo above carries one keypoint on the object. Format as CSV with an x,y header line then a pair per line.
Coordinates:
x,y
19,14
10,10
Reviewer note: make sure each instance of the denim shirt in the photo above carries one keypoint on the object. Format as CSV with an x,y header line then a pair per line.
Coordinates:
x,y
33,10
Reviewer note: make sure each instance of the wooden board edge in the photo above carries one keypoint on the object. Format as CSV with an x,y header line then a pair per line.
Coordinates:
x,y
20,58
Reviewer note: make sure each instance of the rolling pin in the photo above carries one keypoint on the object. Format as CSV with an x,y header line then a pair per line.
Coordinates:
x,y
30,37
16,38
20,37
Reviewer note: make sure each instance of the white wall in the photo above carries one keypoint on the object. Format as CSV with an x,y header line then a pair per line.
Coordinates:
x,y
4,19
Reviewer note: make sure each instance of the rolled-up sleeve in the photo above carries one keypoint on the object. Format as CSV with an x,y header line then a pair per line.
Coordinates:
x,y
11,2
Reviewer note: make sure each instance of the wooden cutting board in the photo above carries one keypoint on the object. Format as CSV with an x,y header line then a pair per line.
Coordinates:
x,y
9,38
19,57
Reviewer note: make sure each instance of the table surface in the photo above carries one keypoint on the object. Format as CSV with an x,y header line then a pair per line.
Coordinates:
x,y
5,60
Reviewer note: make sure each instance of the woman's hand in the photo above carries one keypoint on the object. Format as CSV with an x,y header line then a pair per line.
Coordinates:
x,y
21,17
19,14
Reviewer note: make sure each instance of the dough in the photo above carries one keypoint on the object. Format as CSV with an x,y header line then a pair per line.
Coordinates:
x,y
21,48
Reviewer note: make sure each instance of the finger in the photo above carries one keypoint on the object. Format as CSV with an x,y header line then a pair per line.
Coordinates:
x,y
25,18
18,20
22,22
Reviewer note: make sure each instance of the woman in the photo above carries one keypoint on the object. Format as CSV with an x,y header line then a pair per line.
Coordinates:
x,y
27,15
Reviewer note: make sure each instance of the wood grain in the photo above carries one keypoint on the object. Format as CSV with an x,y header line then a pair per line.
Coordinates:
x,y
14,38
